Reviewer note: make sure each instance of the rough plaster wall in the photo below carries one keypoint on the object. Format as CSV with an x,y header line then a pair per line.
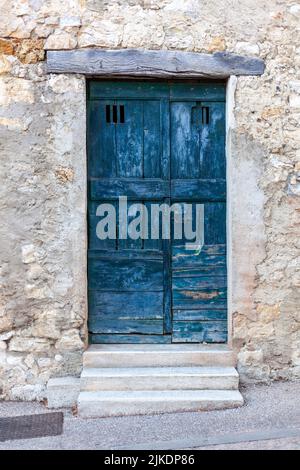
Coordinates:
x,y
43,298
43,209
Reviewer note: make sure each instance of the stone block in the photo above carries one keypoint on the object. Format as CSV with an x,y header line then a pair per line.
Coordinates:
x,y
6,47
21,344
69,21
6,336
247,48
61,40
62,392
29,392
69,340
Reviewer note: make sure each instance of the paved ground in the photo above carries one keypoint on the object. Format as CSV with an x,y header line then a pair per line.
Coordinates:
x,y
270,419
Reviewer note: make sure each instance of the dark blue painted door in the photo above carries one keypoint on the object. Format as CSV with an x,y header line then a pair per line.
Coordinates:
x,y
155,143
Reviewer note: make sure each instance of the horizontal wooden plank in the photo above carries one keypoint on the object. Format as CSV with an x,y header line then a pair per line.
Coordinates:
x,y
125,274
210,270
186,260
100,325
219,249
198,189
149,63
201,294
100,89
206,298
198,282
121,339
193,258
138,314
208,304
126,253
200,315
112,188
105,89
195,91
198,332
112,303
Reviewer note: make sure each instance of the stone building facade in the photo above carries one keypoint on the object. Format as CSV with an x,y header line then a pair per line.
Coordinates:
x,y
43,312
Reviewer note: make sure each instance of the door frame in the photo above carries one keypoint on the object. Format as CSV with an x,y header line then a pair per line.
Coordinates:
x,y
142,64
229,127
230,85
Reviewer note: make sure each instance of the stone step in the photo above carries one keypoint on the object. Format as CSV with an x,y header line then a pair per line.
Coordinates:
x,y
124,403
158,355
159,378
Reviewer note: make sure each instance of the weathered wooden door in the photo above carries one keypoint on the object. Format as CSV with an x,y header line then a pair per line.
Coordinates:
x,y
157,143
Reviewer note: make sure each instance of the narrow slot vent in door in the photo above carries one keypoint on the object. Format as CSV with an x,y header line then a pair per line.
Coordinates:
x,y
200,115
122,114
107,113
205,115
115,114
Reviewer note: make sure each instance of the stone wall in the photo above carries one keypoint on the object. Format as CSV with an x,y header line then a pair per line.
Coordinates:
x,y
43,177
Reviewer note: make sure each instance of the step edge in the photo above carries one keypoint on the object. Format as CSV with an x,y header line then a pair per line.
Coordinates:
x,y
154,396
112,372
169,351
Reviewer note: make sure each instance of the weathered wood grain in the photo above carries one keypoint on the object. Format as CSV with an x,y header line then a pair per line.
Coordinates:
x,y
126,303
204,298
140,188
152,64
198,332
119,254
198,282
199,315
134,89
198,91
208,256
125,274
150,90
198,190
198,149
121,315
131,338
101,325
209,270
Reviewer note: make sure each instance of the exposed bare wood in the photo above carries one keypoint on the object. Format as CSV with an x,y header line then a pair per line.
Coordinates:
x,y
152,64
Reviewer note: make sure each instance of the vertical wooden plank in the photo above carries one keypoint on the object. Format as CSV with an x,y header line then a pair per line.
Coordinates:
x,y
129,242
198,153
94,242
152,139
150,244
156,153
187,213
215,223
185,147
101,141
212,138
166,244
129,139
165,139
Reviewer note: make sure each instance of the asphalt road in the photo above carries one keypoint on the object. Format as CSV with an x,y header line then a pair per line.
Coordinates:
x,y
270,419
